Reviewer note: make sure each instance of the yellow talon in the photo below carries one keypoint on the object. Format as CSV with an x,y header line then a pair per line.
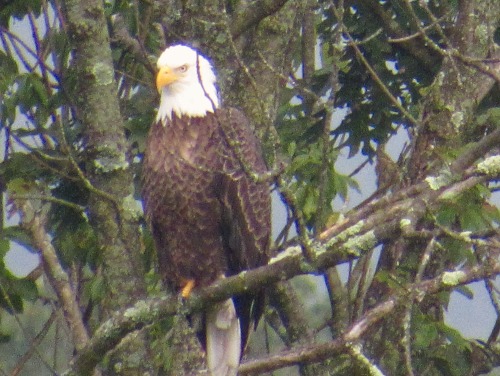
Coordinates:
x,y
188,287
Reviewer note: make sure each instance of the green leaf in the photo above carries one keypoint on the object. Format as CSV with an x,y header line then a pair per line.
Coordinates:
x,y
492,115
454,336
39,90
17,9
292,147
15,290
18,235
4,247
95,289
446,216
25,288
11,302
32,95
20,186
75,241
19,169
424,335
310,203
458,250
4,338
450,362
465,291
471,218
8,71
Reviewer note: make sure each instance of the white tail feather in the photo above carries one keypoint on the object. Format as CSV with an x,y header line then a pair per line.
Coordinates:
x,y
223,339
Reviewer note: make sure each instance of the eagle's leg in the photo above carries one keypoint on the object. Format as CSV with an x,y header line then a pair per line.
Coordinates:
x,y
188,286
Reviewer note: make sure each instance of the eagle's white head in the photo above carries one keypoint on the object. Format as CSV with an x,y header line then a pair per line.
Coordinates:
x,y
186,83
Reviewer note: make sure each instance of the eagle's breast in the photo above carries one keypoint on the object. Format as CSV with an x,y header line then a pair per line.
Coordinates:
x,y
180,177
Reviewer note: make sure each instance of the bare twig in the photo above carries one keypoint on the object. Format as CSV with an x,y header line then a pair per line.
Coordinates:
x,y
27,336
52,199
33,219
291,263
19,46
418,33
300,225
379,82
33,345
413,46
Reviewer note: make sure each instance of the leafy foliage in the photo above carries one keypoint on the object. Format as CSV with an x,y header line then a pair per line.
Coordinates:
x,y
380,68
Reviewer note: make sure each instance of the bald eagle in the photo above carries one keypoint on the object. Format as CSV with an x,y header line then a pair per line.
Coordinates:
x,y
208,217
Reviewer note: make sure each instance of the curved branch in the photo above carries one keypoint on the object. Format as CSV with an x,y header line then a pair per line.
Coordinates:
x,y
318,353
414,46
338,247
461,164
33,219
480,148
360,232
146,312
344,344
255,12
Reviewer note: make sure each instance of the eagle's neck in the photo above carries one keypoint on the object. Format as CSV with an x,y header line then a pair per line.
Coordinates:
x,y
187,100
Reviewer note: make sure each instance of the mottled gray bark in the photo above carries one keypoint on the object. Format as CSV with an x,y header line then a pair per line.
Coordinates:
x,y
112,206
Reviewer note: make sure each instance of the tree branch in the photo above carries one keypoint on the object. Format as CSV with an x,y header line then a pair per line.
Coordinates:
x,y
107,169
33,215
479,149
33,346
149,311
338,247
461,164
415,47
344,344
253,14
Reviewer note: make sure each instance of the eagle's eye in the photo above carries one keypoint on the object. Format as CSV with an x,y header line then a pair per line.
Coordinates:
x,y
182,68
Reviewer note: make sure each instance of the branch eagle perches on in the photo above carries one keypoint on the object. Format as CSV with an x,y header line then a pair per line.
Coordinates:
x,y
357,234
146,312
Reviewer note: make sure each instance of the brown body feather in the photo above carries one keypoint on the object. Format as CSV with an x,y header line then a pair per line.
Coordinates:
x,y
208,217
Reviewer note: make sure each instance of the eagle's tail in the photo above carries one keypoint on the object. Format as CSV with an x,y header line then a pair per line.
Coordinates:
x,y
223,339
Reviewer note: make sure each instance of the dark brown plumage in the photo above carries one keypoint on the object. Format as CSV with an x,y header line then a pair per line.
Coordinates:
x,y
208,217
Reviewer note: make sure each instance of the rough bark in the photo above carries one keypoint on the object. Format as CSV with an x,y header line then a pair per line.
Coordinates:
x,y
449,107
359,233
448,110
111,206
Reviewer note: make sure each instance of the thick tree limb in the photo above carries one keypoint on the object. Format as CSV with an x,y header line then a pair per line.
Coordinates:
x,y
479,149
106,160
253,14
149,311
107,169
338,247
318,353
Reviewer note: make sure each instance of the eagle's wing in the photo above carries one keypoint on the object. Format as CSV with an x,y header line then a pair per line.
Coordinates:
x,y
246,202
246,210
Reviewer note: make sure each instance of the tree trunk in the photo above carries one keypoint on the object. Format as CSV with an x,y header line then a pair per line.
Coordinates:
x,y
112,207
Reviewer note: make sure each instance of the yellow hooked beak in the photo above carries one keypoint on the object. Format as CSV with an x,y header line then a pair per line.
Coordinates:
x,y
165,77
